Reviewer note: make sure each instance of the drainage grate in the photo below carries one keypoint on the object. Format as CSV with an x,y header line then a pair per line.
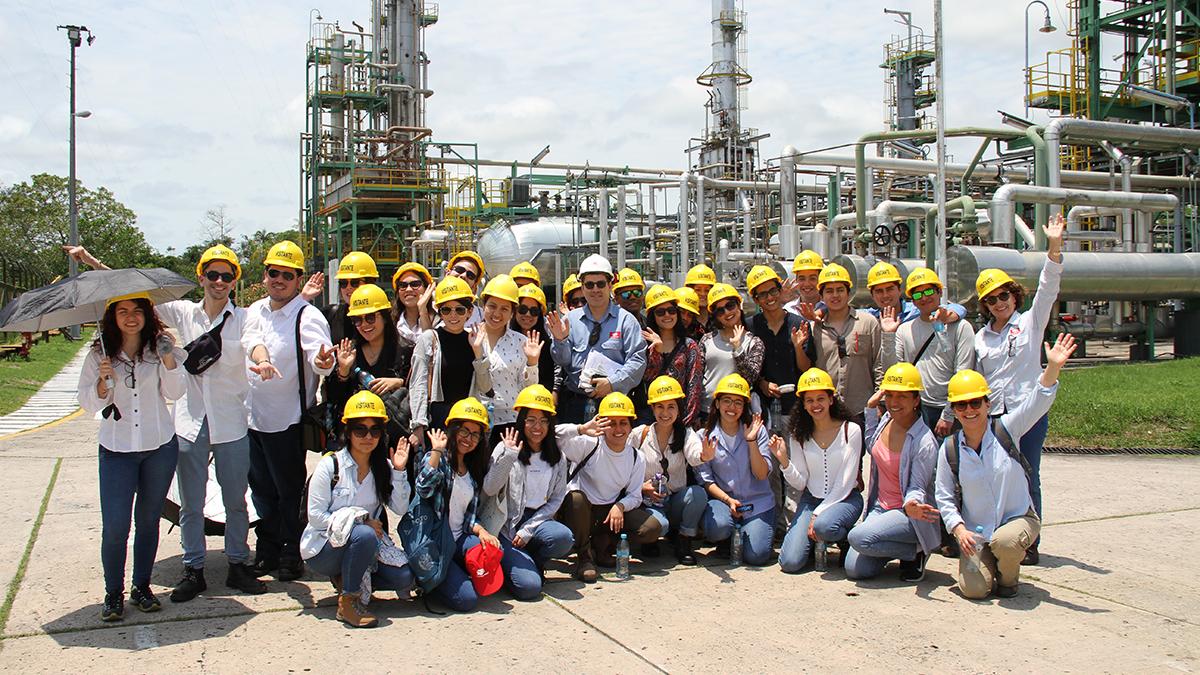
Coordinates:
x,y
1059,450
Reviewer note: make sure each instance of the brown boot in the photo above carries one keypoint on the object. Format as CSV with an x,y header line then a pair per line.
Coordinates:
x,y
585,571
352,613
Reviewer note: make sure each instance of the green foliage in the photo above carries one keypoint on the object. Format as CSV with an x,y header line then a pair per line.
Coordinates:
x,y
22,379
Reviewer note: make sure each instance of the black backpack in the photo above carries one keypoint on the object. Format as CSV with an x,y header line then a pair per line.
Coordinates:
x,y
1006,442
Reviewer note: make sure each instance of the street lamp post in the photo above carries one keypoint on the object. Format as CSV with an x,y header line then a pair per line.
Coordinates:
x,y
75,38
1047,27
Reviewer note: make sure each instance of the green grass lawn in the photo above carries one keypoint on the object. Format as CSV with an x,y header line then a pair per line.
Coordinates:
x,y
20,379
1128,405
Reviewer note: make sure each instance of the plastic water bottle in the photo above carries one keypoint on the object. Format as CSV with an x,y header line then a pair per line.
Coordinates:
x,y
364,378
943,338
735,546
973,562
660,486
821,557
978,540
623,558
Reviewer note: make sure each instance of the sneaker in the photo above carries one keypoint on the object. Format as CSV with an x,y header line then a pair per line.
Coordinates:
x,y
1031,555
190,585
114,607
913,570
242,577
290,570
1006,591
143,598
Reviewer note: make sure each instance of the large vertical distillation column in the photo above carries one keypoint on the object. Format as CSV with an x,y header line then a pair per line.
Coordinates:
x,y
405,102
337,112
723,77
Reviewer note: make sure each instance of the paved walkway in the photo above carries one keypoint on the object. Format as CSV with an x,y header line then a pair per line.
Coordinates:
x,y
54,401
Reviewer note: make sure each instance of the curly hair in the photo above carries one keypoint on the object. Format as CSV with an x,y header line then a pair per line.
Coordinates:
x,y
109,338
803,424
1018,292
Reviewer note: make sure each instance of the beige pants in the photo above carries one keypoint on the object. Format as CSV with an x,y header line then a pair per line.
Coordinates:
x,y
1000,559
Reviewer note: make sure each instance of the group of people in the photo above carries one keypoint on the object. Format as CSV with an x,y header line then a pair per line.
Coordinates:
x,y
504,435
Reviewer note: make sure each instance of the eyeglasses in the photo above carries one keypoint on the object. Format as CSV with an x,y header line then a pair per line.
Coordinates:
x,y
213,275
352,283
594,337
447,310
666,311
363,431
973,404
287,275
369,318
465,272
727,307
472,436
631,294
537,421
526,309
415,285
1002,296
575,302
769,293
928,292
590,285
841,345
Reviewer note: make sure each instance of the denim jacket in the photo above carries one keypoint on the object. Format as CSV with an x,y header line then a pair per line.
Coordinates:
x,y
918,458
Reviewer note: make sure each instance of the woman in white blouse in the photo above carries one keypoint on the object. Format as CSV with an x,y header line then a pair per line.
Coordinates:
x,y
414,288
128,376
512,358
822,459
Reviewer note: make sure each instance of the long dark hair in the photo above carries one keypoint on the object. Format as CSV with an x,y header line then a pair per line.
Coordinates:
x,y
678,429
539,326
108,340
802,422
391,335
381,466
679,331
550,452
476,460
714,416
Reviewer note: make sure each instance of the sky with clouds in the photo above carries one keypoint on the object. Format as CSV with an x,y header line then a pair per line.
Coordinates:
x,y
200,104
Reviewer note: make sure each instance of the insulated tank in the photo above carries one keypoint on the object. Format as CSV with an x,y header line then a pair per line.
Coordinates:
x,y
505,244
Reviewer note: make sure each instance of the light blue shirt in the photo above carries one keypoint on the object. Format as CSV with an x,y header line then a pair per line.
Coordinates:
x,y
994,487
620,339
730,470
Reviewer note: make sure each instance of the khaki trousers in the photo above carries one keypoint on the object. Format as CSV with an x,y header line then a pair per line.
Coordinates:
x,y
1000,559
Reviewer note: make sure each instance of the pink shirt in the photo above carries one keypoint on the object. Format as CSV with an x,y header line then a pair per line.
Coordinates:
x,y
888,462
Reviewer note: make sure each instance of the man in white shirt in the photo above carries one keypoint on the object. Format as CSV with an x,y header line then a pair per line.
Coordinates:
x,y
277,468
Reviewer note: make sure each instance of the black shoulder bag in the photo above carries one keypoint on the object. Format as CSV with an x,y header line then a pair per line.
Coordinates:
x,y
204,350
314,429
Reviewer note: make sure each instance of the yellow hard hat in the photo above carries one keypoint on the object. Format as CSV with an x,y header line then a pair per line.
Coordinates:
x,y
219,252
966,385
571,283
535,397
815,379
658,294
808,260
881,273
452,288
285,254
834,272
533,291
989,280
663,388
721,292
616,404
525,270
364,404
701,275
468,409
688,300
902,377
357,265
628,278
469,255
733,384
368,299
921,276
139,295
502,287
759,275
415,268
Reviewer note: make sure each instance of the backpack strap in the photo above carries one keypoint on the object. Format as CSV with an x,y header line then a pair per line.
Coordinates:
x,y
952,460
300,365
1014,451
579,467
921,351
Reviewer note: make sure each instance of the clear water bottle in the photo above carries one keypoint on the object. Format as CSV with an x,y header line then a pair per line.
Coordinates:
x,y
942,337
623,558
735,545
364,378
973,562
978,540
660,486
821,557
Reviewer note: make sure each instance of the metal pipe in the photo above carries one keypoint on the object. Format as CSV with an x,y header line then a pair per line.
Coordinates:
x,y
935,226
1022,230
700,218
748,209
1034,134
602,220
1003,207
620,228
1075,230
939,188
684,225
1126,163
789,237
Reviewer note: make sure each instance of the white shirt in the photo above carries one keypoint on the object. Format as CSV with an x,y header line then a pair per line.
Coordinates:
x,y
508,372
461,493
829,474
140,393
677,462
411,332
275,404
537,481
607,472
323,502
219,393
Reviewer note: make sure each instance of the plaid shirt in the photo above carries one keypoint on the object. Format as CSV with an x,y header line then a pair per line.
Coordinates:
x,y
435,485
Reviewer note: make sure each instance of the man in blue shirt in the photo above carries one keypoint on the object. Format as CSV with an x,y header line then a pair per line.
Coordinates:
x,y
883,280
599,346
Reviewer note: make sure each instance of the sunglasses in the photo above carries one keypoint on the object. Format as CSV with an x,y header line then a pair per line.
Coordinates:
x,y
415,285
576,302
368,318
213,275
472,436
452,309
595,284
363,431
352,283
770,293
1002,296
526,309
928,292
973,404
287,275
631,294
841,346
666,311
465,272
727,307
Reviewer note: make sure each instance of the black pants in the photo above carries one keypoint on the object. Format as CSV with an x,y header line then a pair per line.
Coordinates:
x,y
277,474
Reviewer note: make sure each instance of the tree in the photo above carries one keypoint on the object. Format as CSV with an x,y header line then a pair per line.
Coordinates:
x,y
218,227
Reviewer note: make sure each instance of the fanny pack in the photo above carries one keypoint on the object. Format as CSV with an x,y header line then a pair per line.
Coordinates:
x,y
204,350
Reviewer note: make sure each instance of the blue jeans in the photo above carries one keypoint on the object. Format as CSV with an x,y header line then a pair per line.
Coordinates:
x,y
757,530
232,461
550,540
456,590
124,476
683,511
574,407
351,561
832,525
880,537
1031,450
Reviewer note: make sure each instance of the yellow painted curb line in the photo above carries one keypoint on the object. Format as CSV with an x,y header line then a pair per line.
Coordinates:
x,y
47,425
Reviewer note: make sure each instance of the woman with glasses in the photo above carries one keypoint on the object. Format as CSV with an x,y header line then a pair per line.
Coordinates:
x,y
523,491
468,266
446,360
355,269
511,356
412,311
530,319
729,348
572,292
346,537
689,313
130,373
671,352
1006,347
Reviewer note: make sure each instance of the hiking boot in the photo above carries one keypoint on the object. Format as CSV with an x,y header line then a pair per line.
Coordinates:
x,y
290,570
114,607
722,548
337,583
264,566
1006,591
585,571
913,570
683,550
1031,555
143,598
352,613
242,577
190,585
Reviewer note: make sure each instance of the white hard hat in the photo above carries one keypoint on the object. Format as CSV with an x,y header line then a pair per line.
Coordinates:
x,y
595,263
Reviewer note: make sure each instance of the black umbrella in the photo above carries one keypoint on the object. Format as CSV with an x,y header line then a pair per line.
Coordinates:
x,y
76,300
